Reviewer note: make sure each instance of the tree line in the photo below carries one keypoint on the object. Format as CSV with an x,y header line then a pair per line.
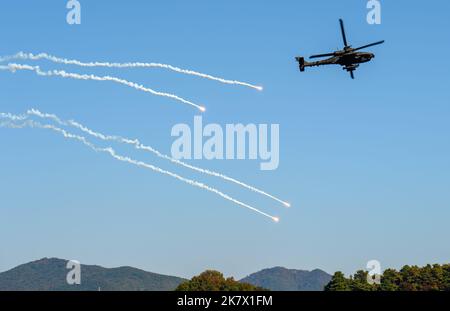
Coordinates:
x,y
409,278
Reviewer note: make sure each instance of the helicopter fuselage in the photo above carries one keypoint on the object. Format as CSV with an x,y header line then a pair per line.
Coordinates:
x,y
345,60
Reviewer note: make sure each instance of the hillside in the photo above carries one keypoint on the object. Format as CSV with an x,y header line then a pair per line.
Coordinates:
x,y
50,275
282,279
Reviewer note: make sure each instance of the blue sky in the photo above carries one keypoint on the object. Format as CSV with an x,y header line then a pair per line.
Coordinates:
x,y
365,163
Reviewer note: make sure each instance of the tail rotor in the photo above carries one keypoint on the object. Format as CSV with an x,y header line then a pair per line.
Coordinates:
x,y
301,62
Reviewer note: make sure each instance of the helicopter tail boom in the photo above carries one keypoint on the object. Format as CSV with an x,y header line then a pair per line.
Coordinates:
x,y
303,63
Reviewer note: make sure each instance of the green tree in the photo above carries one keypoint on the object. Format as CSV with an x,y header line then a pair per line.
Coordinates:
x,y
390,281
446,277
431,278
338,283
359,282
215,281
410,278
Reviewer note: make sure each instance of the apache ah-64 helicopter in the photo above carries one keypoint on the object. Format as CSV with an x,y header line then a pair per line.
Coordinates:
x,y
348,58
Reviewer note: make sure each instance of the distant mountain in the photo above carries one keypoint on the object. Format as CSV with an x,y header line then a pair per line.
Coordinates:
x,y
282,279
50,275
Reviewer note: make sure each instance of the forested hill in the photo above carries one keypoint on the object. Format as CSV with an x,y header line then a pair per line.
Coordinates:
x,y
50,275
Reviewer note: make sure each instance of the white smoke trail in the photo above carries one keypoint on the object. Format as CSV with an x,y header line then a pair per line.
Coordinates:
x,y
64,74
58,60
112,153
13,117
138,145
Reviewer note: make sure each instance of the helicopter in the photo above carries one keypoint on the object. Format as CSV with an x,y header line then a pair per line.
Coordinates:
x,y
348,57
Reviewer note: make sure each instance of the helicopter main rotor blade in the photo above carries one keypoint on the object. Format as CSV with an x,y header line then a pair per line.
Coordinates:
x,y
368,45
322,55
343,32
